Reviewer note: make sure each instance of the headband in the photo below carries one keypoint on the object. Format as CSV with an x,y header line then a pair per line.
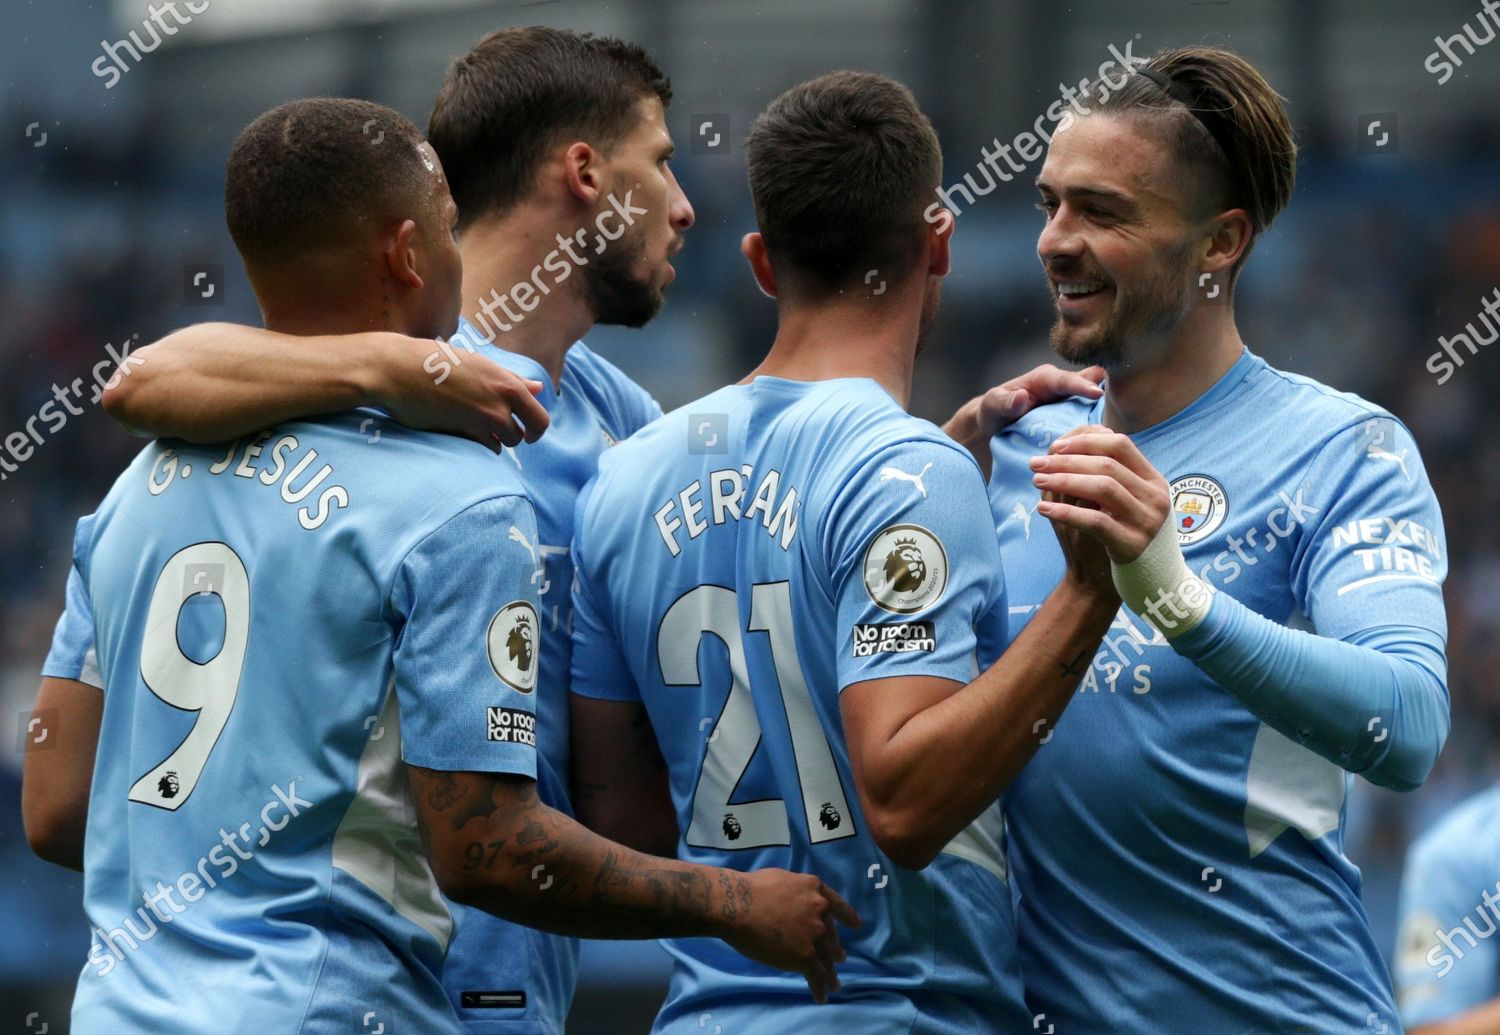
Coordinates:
x,y
1211,118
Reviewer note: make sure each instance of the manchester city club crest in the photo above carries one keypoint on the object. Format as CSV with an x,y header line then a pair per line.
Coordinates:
x,y
1199,506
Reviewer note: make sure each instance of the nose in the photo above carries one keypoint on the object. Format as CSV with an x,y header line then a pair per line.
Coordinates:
x,y
679,209
1060,238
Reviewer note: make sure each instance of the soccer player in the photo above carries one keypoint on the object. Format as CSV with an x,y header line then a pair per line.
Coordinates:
x,y
1178,844
1447,955
279,623
557,152
781,592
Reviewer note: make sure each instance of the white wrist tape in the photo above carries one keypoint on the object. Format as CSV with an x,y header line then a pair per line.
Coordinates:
x,y
1159,586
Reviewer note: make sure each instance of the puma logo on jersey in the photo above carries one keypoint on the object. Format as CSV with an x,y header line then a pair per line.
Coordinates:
x,y
518,536
1375,452
1377,432
1023,514
888,474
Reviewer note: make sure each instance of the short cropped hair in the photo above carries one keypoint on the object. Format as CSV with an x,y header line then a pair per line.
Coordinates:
x,y
841,169
321,171
506,104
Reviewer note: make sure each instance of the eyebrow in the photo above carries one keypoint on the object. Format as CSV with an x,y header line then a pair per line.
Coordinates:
x,y
1089,192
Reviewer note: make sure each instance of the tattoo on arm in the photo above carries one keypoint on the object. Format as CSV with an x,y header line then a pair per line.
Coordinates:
x,y
1077,665
594,887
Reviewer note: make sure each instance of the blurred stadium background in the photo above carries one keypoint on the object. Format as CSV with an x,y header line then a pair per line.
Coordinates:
x,y
112,202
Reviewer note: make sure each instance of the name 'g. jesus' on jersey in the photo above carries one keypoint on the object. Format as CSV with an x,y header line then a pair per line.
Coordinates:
x,y
739,563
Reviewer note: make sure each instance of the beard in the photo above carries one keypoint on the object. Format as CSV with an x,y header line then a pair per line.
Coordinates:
x,y
929,313
615,293
1155,306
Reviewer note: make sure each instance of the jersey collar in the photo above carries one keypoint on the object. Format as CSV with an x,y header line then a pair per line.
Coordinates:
x,y
1222,389
515,362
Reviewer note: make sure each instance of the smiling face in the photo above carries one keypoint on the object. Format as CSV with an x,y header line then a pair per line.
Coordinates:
x,y
625,282
1118,244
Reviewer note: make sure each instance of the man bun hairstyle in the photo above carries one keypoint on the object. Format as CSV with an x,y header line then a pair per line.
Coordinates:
x,y
1223,123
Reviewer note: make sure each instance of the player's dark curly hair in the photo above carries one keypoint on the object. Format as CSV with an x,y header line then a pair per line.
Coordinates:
x,y
505,105
315,172
841,169
1264,160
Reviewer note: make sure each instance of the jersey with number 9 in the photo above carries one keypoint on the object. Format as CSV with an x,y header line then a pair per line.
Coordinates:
x,y
275,624
739,562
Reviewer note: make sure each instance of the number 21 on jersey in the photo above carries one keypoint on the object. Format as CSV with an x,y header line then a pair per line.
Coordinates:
x,y
714,610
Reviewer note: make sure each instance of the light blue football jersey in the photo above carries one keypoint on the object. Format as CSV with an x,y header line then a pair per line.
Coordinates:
x,y
1179,863
279,623
1448,955
506,979
740,562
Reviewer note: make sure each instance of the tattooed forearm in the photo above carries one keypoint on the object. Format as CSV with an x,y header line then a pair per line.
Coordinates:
x,y
734,895
495,846
443,790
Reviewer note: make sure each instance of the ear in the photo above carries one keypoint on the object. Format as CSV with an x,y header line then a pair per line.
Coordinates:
x,y
1229,235
400,255
939,241
753,247
582,172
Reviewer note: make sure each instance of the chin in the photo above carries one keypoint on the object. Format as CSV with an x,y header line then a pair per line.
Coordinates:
x,y
1083,347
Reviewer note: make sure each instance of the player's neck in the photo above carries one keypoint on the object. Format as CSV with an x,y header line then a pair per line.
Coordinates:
x,y
332,316
1168,378
501,257
846,339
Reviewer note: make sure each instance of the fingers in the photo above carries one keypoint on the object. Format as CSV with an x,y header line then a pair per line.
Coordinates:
x,y
1048,472
1103,442
523,405
1008,402
827,949
1103,491
1063,384
506,432
817,981
1090,520
1049,383
842,911
835,947
1000,407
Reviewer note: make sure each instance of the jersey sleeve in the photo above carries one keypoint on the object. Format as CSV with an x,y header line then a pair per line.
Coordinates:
x,y
1443,970
599,668
914,565
467,653
642,407
625,406
1374,553
72,654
